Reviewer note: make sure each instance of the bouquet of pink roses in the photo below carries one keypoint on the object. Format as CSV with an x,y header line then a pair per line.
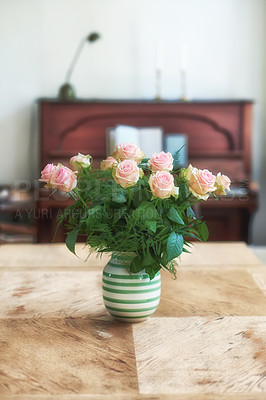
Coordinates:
x,y
135,205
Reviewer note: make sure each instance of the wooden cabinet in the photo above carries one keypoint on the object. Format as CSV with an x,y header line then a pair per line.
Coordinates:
x,y
219,138
17,215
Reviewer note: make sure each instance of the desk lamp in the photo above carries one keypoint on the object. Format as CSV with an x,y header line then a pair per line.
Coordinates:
x,y
66,91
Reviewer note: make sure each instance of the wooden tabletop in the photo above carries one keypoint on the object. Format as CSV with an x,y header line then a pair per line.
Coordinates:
x,y
207,339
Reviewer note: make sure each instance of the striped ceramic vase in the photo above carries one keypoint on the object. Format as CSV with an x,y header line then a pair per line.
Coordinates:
x,y
129,297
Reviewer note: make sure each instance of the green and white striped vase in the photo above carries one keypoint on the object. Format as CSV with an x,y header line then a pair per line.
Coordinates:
x,y
129,297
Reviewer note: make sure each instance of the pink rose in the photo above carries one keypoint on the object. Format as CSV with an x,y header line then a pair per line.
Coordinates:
x,y
128,151
127,173
63,179
47,173
80,161
108,163
222,184
201,183
161,162
162,185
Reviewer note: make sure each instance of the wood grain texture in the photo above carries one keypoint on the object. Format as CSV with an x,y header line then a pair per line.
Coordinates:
x,y
227,396
39,294
57,255
66,356
259,277
48,256
199,355
220,254
207,340
212,292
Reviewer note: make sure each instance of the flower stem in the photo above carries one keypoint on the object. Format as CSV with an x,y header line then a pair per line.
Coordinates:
x,y
129,197
80,198
73,197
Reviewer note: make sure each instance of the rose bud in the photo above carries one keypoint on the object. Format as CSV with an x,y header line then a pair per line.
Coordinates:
x,y
108,163
222,184
80,161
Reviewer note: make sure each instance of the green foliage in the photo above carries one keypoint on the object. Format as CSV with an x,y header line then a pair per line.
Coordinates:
x,y
174,245
174,216
71,239
203,230
176,157
112,219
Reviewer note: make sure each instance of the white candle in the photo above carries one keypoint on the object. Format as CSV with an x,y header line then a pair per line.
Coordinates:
x,y
184,57
159,57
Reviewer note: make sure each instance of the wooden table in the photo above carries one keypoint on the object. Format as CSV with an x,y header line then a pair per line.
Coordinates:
x,y
207,339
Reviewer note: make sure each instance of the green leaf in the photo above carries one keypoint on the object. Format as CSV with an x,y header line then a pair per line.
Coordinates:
x,y
144,160
176,157
152,225
167,223
118,213
144,164
146,212
71,240
190,213
164,259
147,260
183,190
139,196
152,270
119,198
91,212
193,235
174,245
137,264
203,230
174,216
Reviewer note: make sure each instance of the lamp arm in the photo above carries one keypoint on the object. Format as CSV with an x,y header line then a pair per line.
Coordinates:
x,y
75,59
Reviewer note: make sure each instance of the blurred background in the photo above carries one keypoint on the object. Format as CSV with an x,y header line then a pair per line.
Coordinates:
x,y
220,44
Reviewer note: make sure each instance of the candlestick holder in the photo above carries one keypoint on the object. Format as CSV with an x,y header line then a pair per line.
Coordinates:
x,y
183,85
158,85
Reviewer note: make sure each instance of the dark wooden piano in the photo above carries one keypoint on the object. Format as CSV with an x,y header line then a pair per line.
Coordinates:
x,y
219,139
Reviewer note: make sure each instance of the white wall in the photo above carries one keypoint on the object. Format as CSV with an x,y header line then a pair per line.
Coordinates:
x,y
226,41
